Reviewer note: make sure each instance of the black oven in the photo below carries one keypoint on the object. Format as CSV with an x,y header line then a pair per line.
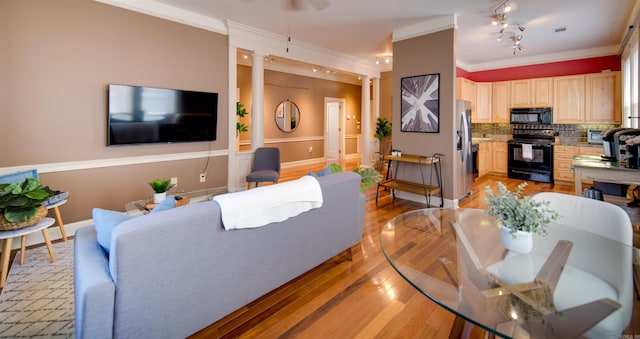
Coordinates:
x,y
531,155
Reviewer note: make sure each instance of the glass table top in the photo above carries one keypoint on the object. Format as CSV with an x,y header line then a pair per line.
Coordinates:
x,y
139,207
571,280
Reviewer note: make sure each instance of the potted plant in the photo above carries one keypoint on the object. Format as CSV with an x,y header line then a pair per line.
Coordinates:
x,y
160,188
520,216
383,130
22,202
240,112
369,176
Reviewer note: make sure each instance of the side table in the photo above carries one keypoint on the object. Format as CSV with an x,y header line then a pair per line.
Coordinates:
x,y
56,211
8,236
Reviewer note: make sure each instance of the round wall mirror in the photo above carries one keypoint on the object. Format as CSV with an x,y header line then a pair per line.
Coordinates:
x,y
287,116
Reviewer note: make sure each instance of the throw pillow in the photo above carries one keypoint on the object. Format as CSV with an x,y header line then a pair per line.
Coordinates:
x,y
105,221
168,203
323,172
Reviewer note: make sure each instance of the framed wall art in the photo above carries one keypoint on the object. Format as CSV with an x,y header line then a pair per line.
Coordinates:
x,y
420,105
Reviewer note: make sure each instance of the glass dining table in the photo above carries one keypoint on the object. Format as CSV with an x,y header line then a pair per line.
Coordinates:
x,y
572,283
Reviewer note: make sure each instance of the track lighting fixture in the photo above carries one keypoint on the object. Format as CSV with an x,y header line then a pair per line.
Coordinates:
x,y
509,28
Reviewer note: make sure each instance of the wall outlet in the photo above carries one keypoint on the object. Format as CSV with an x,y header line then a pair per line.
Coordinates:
x,y
203,177
174,181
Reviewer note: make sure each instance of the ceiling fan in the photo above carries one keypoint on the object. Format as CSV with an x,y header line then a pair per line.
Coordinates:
x,y
296,5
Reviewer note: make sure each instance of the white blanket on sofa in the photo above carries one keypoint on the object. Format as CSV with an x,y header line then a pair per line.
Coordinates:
x,y
263,205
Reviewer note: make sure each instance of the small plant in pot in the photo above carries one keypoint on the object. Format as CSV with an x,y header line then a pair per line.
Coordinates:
x,y
160,188
520,216
20,203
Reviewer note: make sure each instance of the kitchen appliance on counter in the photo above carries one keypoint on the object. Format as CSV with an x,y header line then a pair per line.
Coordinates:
x,y
620,139
608,144
463,158
594,136
531,116
531,155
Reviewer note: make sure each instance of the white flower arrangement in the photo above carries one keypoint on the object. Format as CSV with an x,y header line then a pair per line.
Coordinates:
x,y
519,213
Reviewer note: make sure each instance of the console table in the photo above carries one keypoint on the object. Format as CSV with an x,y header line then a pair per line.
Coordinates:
x,y
426,187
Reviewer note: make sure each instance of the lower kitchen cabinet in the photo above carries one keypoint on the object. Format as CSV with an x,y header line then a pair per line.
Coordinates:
x,y
500,159
485,162
562,157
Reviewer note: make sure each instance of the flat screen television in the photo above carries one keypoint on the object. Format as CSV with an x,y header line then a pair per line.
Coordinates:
x,y
141,115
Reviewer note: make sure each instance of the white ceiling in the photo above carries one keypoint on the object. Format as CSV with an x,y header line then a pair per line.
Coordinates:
x,y
363,28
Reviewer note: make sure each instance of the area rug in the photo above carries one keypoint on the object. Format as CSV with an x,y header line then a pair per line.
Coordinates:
x,y
37,300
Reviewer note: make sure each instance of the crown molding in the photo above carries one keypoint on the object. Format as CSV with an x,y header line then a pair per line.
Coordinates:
x,y
540,59
160,10
434,24
267,43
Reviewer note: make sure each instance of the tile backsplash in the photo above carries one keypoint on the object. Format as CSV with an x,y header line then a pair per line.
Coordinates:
x,y
568,134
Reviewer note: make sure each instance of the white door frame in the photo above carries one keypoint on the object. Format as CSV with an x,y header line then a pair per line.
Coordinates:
x,y
341,123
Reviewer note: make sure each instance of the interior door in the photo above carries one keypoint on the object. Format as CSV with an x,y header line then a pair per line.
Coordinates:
x,y
333,130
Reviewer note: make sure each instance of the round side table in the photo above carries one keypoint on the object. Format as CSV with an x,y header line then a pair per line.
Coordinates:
x,y
8,239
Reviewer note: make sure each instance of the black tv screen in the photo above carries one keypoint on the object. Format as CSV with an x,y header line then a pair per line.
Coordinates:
x,y
140,115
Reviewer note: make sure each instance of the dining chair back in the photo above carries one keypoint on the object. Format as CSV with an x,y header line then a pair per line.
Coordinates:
x,y
265,167
609,262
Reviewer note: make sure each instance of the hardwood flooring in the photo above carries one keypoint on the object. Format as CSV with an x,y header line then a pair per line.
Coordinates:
x,y
362,298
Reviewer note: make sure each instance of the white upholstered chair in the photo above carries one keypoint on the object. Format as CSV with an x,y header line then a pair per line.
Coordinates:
x,y
614,267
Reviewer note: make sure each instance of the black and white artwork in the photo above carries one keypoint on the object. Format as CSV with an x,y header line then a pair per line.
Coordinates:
x,y
420,107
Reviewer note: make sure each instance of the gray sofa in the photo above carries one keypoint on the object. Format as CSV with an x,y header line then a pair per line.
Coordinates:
x,y
172,273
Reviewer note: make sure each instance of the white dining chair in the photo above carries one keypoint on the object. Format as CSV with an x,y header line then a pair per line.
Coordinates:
x,y
614,266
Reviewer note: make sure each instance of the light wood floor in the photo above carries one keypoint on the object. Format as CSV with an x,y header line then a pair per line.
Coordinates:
x,y
363,298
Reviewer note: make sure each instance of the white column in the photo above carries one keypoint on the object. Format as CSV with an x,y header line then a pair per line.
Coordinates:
x,y
257,101
365,125
375,113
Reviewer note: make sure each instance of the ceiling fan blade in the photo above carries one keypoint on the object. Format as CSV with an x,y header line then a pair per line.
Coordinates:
x,y
319,4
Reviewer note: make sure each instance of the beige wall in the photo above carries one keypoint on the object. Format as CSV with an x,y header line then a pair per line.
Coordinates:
x,y
308,93
58,58
427,54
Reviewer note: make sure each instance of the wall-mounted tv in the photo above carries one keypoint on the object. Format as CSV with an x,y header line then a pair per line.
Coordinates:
x,y
141,115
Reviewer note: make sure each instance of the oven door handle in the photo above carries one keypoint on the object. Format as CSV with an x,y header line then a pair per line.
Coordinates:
x,y
534,145
527,172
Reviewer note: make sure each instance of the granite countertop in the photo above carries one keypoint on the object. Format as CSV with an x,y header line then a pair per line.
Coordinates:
x,y
594,161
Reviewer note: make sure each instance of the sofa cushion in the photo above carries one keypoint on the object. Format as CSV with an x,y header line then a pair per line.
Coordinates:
x,y
105,221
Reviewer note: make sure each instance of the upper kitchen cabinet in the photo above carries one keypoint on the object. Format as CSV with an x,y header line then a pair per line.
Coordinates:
x,y
483,103
602,98
466,90
568,99
500,101
532,92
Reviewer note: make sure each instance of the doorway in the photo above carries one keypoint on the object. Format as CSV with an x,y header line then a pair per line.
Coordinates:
x,y
334,128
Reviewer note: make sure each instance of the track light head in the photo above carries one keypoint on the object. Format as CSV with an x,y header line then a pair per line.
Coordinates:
x,y
521,28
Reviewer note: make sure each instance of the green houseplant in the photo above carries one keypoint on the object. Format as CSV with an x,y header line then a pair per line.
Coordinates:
x,y
241,112
520,215
369,176
383,128
22,202
160,188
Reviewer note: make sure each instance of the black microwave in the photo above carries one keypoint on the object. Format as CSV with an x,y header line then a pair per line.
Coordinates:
x,y
532,116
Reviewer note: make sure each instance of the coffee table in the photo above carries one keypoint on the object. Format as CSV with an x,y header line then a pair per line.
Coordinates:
x,y
138,207
455,258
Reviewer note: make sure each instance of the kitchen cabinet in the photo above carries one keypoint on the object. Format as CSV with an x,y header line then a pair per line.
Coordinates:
x,y
568,99
500,101
485,158
602,98
532,92
542,92
521,93
483,103
466,90
500,156
562,157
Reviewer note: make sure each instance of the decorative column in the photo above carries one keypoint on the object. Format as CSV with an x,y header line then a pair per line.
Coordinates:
x,y
257,101
375,113
365,126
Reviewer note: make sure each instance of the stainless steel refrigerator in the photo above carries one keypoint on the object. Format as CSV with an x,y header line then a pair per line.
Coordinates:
x,y
463,161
